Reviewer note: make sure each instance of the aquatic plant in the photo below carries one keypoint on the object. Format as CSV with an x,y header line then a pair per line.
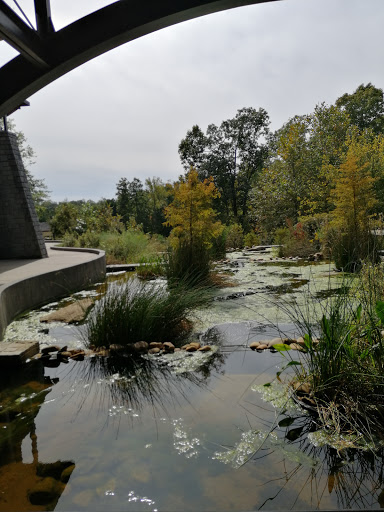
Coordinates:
x,y
136,311
342,362
189,264
151,268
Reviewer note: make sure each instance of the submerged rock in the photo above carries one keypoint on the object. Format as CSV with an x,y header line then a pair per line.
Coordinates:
x,y
75,312
83,498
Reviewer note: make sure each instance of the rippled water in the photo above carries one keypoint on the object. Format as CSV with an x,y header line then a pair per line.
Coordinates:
x,y
176,433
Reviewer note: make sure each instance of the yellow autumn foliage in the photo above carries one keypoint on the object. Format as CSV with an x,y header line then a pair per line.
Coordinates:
x,y
191,216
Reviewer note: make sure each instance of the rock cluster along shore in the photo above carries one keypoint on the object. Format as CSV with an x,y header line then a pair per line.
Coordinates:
x,y
53,355
293,343
142,347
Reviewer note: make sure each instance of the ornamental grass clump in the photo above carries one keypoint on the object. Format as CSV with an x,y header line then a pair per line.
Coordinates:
x,y
137,311
343,359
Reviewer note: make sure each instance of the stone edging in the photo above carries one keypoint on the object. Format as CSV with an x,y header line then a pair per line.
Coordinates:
x,y
20,296
76,249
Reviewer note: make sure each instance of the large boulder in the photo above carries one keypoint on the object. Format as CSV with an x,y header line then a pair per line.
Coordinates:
x,y
75,312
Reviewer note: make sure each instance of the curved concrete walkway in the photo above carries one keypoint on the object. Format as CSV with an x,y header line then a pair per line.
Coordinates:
x,y
25,284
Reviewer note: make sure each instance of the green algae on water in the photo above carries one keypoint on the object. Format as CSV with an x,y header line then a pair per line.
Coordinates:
x,y
253,440
278,395
344,441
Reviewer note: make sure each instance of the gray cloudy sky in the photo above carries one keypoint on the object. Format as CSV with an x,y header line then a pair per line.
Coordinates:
x,y
124,113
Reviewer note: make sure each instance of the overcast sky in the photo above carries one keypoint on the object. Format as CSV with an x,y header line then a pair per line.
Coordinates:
x,y
125,112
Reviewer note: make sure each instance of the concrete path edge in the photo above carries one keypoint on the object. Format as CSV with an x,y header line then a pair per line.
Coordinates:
x,y
20,296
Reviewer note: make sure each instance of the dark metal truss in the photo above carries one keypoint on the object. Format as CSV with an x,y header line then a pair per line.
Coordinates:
x,y
45,55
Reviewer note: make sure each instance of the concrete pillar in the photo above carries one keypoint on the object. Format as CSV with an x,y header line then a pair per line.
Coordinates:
x,y
20,234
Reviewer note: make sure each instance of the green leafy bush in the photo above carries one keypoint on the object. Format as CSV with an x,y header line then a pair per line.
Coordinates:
x,y
89,239
70,240
294,241
251,239
234,235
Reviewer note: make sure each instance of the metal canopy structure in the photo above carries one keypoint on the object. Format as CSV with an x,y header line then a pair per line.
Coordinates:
x,y
45,55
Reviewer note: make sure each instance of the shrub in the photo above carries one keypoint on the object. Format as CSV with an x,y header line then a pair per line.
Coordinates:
x,y
129,246
348,251
70,240
89,239
294,241
188,264
251,239
137,311
234,235
218,247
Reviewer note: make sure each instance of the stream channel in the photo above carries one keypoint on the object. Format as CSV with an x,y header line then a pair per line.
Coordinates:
x,y
173,433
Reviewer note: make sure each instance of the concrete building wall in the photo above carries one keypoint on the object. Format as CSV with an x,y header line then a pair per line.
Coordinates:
x,y
20,235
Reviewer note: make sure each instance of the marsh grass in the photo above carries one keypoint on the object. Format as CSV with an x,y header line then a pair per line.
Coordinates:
x,y
137,311
190,264
151,268
130,246
343,357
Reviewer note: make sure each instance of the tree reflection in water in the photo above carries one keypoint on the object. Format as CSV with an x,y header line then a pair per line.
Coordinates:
x,y
136,381
354,476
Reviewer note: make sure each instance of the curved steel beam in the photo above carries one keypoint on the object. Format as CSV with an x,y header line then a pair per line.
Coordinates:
x,y
94,35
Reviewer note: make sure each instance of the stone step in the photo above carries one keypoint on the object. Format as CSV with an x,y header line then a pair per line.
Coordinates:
x,y
15,353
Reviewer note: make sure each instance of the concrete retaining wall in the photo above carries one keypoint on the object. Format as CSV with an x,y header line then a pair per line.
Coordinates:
x,y
32,292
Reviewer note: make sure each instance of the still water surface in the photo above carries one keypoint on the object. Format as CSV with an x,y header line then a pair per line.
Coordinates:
x,y
158,435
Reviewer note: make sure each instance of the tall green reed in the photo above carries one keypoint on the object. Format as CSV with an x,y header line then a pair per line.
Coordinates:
x,y
137,311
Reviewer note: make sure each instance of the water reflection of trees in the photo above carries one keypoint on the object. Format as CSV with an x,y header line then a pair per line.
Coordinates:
x,y
136,381
26,485
354,476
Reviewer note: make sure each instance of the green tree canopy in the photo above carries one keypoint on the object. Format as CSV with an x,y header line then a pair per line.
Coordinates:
x,y
233,154
365,107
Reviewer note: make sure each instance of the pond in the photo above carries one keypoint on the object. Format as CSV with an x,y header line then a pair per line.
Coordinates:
x,y
181,431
